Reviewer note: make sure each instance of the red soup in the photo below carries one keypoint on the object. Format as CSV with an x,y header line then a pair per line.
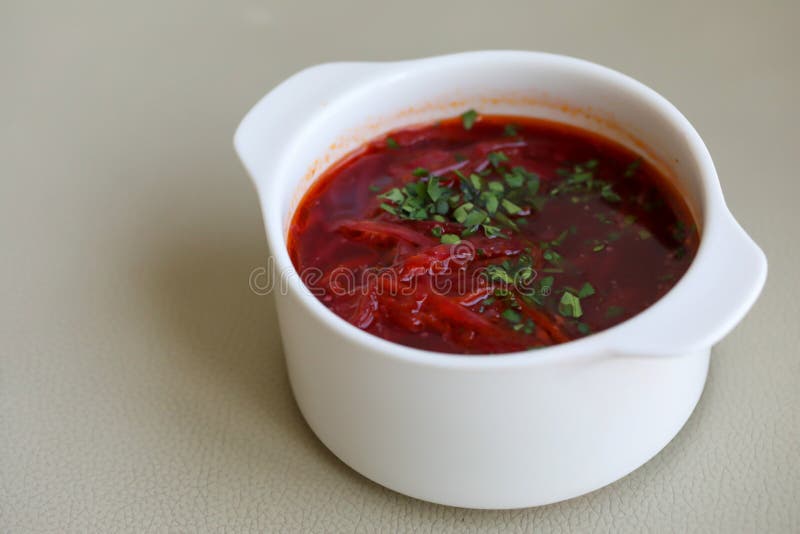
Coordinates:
x,y
490,234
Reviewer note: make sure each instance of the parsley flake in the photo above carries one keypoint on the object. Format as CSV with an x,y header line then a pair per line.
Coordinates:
x,y
468,118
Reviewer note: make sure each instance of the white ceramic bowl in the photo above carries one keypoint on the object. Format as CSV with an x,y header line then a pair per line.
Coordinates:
x,y
511,430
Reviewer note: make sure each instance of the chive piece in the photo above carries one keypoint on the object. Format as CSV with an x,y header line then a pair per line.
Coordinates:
x,y
461,212
584,329
395,195
434,190
387,207
598,247
493,231
499,274
525,273
560,239
570,305
552,256
545,286
510,130
609,194
374,188
468,118
533,184
614,311
476,181
420,172
501,217
644,234
632,168
450,239
474,218
439,218
496,187
491,203
587,290
510,207
496,158
514,179
512,316
391,143
580,177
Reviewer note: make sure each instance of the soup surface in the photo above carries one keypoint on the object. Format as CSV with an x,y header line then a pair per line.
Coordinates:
x,y
490,234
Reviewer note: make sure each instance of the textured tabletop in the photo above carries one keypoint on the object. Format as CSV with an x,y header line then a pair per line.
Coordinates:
x,y
142,384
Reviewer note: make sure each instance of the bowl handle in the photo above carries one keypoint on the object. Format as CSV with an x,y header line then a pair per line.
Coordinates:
x,y
262,134
722,284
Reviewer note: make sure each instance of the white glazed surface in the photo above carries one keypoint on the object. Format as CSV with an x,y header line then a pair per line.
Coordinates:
x,y
512,430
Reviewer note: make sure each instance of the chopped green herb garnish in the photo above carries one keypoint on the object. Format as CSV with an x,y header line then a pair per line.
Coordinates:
x,y
420,172
490,201
434,190
514,179
632,168
679,233
510,130
388,208
496,273
552,256
476,181
450,239
474,218
468,119
607,192
614,311
560,239
496,187
395,195
492,231
512,316
391,143
496,158
461,212
437,231
584,328
510,207
506,221
570,305
587,290
644,234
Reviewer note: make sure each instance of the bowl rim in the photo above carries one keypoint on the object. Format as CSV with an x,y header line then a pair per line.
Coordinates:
x,y
711,217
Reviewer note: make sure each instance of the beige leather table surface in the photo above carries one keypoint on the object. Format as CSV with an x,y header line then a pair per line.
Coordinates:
x,y
142,384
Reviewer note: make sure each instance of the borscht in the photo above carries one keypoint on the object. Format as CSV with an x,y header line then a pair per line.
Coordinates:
x,y
487,234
